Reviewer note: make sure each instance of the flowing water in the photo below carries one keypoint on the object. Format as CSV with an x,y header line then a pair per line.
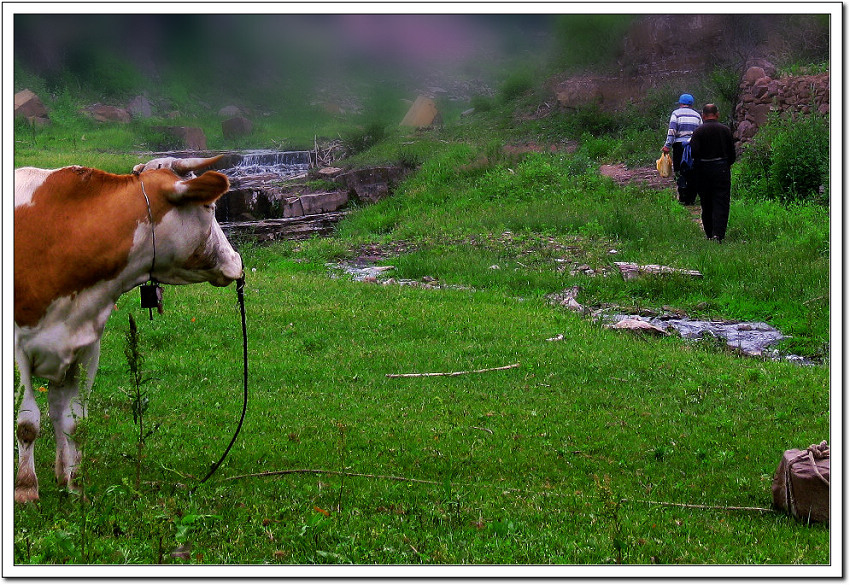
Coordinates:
x,y
266,164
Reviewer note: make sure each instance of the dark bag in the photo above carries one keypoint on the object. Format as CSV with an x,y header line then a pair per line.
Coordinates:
x,y
801,483
687,162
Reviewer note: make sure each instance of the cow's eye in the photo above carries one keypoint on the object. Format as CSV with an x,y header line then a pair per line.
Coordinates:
x,y
210,206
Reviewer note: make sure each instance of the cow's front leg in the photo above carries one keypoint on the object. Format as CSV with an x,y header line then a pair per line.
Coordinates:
x,y
29,423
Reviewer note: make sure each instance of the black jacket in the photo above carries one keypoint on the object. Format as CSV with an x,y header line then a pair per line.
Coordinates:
x,y
712,141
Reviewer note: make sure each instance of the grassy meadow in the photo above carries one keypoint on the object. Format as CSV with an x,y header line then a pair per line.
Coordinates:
x,y
600,448
588,452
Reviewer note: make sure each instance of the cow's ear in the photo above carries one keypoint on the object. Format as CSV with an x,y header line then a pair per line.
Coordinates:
x,y
202,190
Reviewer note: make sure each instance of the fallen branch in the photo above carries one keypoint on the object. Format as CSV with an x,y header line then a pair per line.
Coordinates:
x,y
452,373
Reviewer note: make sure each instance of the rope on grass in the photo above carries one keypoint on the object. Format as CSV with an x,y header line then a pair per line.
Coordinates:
x,y
332,472
699,506
432,482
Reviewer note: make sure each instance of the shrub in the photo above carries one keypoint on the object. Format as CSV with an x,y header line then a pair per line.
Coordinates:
x,y
516,85
481,103
787,160
360,139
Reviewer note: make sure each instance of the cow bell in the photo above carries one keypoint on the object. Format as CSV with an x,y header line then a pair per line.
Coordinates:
x,y
151,297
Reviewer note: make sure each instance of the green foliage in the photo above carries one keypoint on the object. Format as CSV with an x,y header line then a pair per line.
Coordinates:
x,y
788,160
481,103
590,40
358,140
516,84
723,87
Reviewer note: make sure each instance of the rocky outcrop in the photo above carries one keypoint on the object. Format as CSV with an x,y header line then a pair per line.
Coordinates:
x,y
762,94
30,107
189,137
371,184
140,107
102,113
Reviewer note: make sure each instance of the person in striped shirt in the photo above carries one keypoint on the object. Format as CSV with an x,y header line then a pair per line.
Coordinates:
x,y
683,121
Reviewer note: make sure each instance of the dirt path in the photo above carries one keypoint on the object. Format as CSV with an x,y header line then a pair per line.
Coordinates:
x,y
648,176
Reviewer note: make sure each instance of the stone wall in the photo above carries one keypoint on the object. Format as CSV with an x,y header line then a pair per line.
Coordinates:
x,y
761,94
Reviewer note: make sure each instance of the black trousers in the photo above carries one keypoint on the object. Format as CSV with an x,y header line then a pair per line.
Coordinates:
x,y
684,177
714,183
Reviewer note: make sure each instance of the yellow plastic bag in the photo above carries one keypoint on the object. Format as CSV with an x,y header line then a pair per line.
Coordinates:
x,y
664,165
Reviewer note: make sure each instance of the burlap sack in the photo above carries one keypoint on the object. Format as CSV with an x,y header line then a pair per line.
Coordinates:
x,y
801,483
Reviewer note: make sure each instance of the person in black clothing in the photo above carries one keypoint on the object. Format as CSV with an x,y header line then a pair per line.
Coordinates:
x,y
713,151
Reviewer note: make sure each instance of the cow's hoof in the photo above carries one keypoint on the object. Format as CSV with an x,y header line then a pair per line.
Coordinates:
x,y
25,495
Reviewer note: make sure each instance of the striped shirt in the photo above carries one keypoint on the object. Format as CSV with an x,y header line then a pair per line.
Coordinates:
x,y
683,122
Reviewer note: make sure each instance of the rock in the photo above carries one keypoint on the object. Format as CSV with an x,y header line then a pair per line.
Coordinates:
x,y
630,270
422,114
236,127
371,184
765,65
140,107
329,172
229,112
753,74
745,131
103,113
638,326
29,106
191,138
323,202
761,88
758,113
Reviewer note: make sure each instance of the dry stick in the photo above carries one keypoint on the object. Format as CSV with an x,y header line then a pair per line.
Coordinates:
x,y
452,373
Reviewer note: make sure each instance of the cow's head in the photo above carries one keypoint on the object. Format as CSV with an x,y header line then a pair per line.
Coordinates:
x,y
190,246
181,166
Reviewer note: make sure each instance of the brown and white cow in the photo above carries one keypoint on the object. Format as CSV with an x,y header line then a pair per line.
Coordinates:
x,y
83,237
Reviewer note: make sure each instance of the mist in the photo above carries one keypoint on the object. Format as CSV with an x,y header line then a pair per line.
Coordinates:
x,y
245,51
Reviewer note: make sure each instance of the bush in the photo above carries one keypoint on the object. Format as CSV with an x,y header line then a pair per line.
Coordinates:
x,y
516,85
787,160
358,140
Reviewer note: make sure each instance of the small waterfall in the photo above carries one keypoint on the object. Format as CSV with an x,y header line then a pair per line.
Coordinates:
x,y
265,163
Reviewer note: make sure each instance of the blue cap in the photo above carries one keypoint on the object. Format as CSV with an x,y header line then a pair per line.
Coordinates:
x,y
686,99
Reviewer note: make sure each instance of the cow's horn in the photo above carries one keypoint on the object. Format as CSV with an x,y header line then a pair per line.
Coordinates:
x,y
185,165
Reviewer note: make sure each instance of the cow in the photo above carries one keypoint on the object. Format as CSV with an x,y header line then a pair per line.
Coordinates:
x,y
82,238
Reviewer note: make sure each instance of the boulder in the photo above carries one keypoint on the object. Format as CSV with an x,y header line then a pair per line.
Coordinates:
x,y
422,114
372,184
191,138
140,107
103,113
229,112
753,74
29,106
766,66
236,127
323,202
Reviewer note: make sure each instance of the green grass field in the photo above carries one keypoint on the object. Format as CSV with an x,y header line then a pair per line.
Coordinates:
x,y
590,452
